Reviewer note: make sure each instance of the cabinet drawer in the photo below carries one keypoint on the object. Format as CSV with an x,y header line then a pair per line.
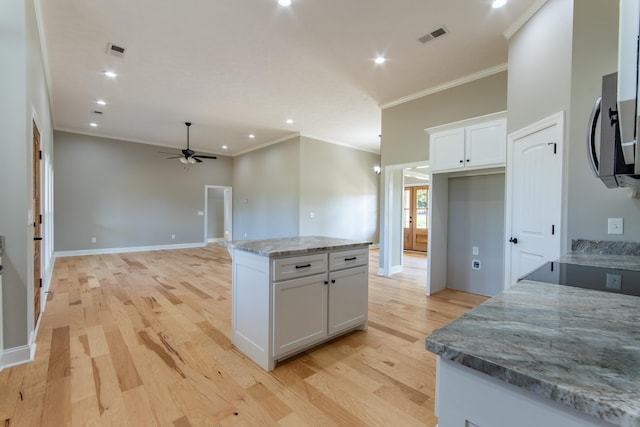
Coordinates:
x,y
347,259
300,266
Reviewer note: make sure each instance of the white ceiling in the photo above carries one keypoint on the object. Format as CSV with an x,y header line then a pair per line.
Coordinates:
x,y
236,67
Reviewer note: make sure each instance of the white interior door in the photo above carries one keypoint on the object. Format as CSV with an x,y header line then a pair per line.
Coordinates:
x,y
534,206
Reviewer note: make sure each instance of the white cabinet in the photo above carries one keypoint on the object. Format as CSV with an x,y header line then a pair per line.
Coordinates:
x,y
474,146
299,313
284,305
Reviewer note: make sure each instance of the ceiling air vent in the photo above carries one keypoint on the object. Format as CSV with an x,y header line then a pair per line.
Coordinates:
x,y
115,50
433,35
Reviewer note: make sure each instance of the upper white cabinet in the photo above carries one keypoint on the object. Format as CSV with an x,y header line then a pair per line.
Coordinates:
x,y
479,144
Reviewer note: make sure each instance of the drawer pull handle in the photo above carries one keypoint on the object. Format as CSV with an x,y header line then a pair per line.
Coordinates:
x,y
303,266
353,258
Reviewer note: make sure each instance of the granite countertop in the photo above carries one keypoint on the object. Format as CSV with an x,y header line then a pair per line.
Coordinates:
x,y
578,347
625,262
294,245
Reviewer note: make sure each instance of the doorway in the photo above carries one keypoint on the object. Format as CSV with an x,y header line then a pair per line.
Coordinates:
x,y
534,197
415,213
218,214
37,225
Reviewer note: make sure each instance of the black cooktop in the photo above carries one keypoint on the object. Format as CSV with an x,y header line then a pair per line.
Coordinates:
x,y
588,277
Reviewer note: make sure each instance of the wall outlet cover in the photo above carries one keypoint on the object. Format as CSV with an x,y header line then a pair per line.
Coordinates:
x,y
615,226
476,264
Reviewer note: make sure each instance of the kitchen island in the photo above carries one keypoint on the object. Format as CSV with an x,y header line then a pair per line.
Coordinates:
x,y
541,354
290,294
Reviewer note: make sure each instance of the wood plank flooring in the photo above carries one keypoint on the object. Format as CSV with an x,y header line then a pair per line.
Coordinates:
x,y
143,339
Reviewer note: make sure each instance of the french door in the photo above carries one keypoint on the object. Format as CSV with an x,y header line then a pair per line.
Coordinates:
x,y
415,214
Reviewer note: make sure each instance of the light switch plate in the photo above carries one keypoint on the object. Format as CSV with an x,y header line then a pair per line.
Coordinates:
x,y
476,250
615,226
614,281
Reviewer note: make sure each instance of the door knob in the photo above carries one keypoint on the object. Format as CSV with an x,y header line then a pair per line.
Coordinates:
x,y
37,238
514,240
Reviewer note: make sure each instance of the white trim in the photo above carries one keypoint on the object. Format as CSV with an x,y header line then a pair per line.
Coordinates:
x,y
553,120
513,28
453,83
62,254
467,122
37,5
215,239
342,144
17,356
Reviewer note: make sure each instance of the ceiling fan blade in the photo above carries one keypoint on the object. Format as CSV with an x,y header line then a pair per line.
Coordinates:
x,y
205,157
197,159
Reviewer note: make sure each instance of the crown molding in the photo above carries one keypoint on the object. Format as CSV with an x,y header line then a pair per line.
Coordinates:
x,y
513,28
453,83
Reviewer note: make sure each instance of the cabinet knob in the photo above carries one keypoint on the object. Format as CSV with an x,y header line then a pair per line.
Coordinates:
x,y
333,280
467,160
326,282
461,161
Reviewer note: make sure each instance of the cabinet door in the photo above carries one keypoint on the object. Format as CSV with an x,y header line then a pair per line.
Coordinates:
x,y
486,144
348,298
447,150
299,313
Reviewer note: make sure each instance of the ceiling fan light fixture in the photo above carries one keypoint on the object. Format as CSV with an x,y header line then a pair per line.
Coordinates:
x,y
191,160
284,2
184,160
498,3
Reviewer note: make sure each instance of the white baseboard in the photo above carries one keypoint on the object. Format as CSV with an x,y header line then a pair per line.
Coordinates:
x,y
395,269
17,356
374,246
61,254
215,239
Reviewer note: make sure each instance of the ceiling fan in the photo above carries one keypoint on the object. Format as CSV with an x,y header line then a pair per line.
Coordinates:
x,y
189,156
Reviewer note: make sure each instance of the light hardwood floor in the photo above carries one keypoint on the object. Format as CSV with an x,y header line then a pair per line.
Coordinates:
x,y
143,339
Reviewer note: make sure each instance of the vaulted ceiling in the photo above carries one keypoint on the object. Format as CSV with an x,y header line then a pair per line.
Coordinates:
x,y
237,68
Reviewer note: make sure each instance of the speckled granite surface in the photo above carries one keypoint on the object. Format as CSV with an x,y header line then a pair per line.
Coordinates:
x,y
578,347
604,247
625,262
294,245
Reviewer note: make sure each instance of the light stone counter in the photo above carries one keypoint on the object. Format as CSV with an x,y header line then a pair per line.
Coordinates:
x,y
294,245
577,347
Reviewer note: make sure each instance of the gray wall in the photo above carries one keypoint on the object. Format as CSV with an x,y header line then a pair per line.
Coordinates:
x,y
338,185
403,137
127,194
476,218
556,61
589,203
540,66
277,187
23,89
215,206
266,192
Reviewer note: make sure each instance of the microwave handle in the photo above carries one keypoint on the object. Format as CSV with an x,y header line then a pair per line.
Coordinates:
x,y
591,136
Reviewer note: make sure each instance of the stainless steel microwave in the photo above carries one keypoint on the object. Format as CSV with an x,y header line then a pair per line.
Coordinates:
x,y
616,159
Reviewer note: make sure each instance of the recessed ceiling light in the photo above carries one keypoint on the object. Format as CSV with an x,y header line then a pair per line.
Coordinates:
x,y
224,147
289,121
380,60
101,102
110,74
251,136
498,3
284,2
93,125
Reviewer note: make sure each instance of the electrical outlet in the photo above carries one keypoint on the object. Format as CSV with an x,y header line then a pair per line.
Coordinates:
x,y
200,213
614,281
476,250
93,240
173,236
615,226
476,264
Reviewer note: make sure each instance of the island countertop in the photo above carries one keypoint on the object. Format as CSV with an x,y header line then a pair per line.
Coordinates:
x,y
287,246
578,347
